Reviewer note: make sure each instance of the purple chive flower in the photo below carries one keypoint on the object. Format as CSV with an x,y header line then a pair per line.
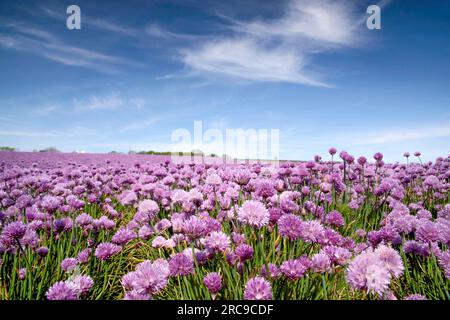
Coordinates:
x,y
253,213
61,291
290,226
50,203
134,295
360,233
321,263
159,242
201,257
362,160
106,250
391,260
335,218
148,207
123,236
237,238
444,263
274,215
404,224
149,277
274,271
368,273
83,255
445,212
337,255
244,252
415,297
42,251
242,177
332,151
162,225
213,281
181,265
427,231
213,179
423,214
217,241
69,264
432,182
145,232
416,247
61,225
194,227
81,284
258,288
311,231
83,220
14,230
127,197
378,156
22,273
265,188
103,223
231,258
295,268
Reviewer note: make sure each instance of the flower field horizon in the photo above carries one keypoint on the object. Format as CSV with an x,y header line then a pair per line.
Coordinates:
x,y
140,227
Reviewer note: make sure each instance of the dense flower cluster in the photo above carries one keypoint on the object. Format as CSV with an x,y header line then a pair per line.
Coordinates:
x,y
144,227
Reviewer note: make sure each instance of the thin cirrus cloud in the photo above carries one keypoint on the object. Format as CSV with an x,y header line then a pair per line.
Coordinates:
x,y
107,102
46,110
141,124
94,23
22,37
412,133
7,120
112,102
277,50
153,29
16,133
324,22
246,59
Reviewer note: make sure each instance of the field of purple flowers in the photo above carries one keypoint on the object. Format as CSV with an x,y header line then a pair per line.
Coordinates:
x,y
141,227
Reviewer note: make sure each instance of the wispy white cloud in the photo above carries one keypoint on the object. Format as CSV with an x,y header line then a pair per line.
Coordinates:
x,y
155,30
23,37
220,123
98,23
94,102
8,42
46,110
141,124
245,58
324,22
34,32
112,27
138,102
412,133
280,49
17,133
112,101
8,120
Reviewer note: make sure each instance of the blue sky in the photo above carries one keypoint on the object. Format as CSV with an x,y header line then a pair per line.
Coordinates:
x,y
138,70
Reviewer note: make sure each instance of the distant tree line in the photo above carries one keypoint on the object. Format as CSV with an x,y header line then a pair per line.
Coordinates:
x,y
4,148
49,149
168,153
